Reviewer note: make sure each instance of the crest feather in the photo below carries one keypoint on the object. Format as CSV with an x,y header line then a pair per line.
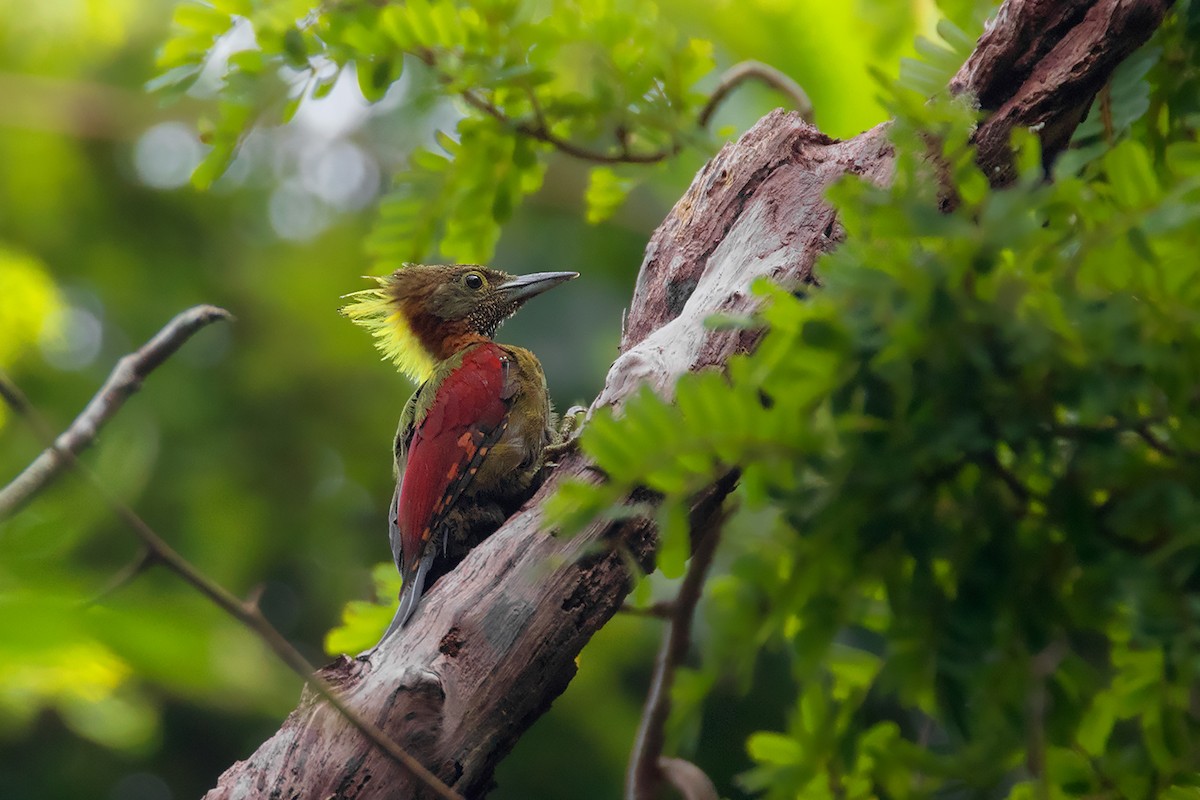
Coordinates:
x,y
374,310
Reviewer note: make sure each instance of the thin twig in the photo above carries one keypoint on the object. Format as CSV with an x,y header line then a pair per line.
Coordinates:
x,y
145,560
247,613
1146,435
1041,667
663,610
539,131
1106,112
645,771
743,71
690,781
1106,782
1140,428
125,379
538,128
1019,490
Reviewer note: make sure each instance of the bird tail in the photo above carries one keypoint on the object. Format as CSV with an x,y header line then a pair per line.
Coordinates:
x,y
410,594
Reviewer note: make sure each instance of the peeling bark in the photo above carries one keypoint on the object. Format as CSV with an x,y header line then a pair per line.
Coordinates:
x,y
495,641
1040,64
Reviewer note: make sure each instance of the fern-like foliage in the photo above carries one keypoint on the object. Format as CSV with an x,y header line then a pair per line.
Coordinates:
x,y
606,81
929,74
970,477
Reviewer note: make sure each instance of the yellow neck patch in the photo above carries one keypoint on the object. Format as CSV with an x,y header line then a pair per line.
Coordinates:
x,y
374,310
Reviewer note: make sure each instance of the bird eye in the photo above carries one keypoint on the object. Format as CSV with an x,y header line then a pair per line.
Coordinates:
x,y
473,280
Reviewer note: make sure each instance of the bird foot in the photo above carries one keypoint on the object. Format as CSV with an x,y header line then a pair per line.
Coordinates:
x,y
568,435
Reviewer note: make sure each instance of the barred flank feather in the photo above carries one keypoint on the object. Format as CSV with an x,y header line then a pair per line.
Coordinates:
x,y
374,310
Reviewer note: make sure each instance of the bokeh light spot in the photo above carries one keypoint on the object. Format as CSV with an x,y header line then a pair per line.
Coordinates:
x,y
71,338
166,155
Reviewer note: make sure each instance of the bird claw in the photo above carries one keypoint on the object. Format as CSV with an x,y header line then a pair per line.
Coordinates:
x,y
568,435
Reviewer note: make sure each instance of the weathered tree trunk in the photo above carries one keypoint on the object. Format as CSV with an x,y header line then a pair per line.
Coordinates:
x,y
495,641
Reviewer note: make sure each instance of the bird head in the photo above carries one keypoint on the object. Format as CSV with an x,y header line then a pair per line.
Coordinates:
x,y
421,314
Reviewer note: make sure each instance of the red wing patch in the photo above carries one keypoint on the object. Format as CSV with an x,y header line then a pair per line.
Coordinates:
x,y
468,416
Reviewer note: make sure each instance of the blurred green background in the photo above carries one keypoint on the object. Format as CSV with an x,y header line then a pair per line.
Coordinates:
x,y
262,450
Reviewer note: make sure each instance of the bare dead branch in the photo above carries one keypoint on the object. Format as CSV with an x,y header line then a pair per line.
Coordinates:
x,y
744,71
689,780
249,615
125,379
1147,435
145,560
1040,64
1041,666
495,640
664,610
1016,39
645,772
18,402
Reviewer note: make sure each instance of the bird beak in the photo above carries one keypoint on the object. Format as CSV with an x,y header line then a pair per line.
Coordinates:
x,y
523,287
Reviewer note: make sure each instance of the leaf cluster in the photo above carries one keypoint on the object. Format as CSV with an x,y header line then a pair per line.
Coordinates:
x,y
607,81
970,479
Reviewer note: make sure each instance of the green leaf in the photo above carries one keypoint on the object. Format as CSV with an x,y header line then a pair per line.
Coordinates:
x,y
674,540
393,21
1131,175
774,749
295,47
958,40
250,61
938,56
364,622
1180,793
177,79
374,79
201,18
1097,724
241,8
853,670
606,191
449,27
214,165
184,50
821,334
1140,244
420,20
1183,158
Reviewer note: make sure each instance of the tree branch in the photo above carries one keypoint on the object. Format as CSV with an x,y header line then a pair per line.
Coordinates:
x,y
743,71
1039,65
539,129
125,379
645,772
142,563
664,610
157,551
495,640
541,132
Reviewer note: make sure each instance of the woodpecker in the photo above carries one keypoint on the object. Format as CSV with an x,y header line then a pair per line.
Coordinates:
x,y
472,439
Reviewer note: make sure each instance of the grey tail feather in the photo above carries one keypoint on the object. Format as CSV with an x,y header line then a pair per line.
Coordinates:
x,y
410,595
